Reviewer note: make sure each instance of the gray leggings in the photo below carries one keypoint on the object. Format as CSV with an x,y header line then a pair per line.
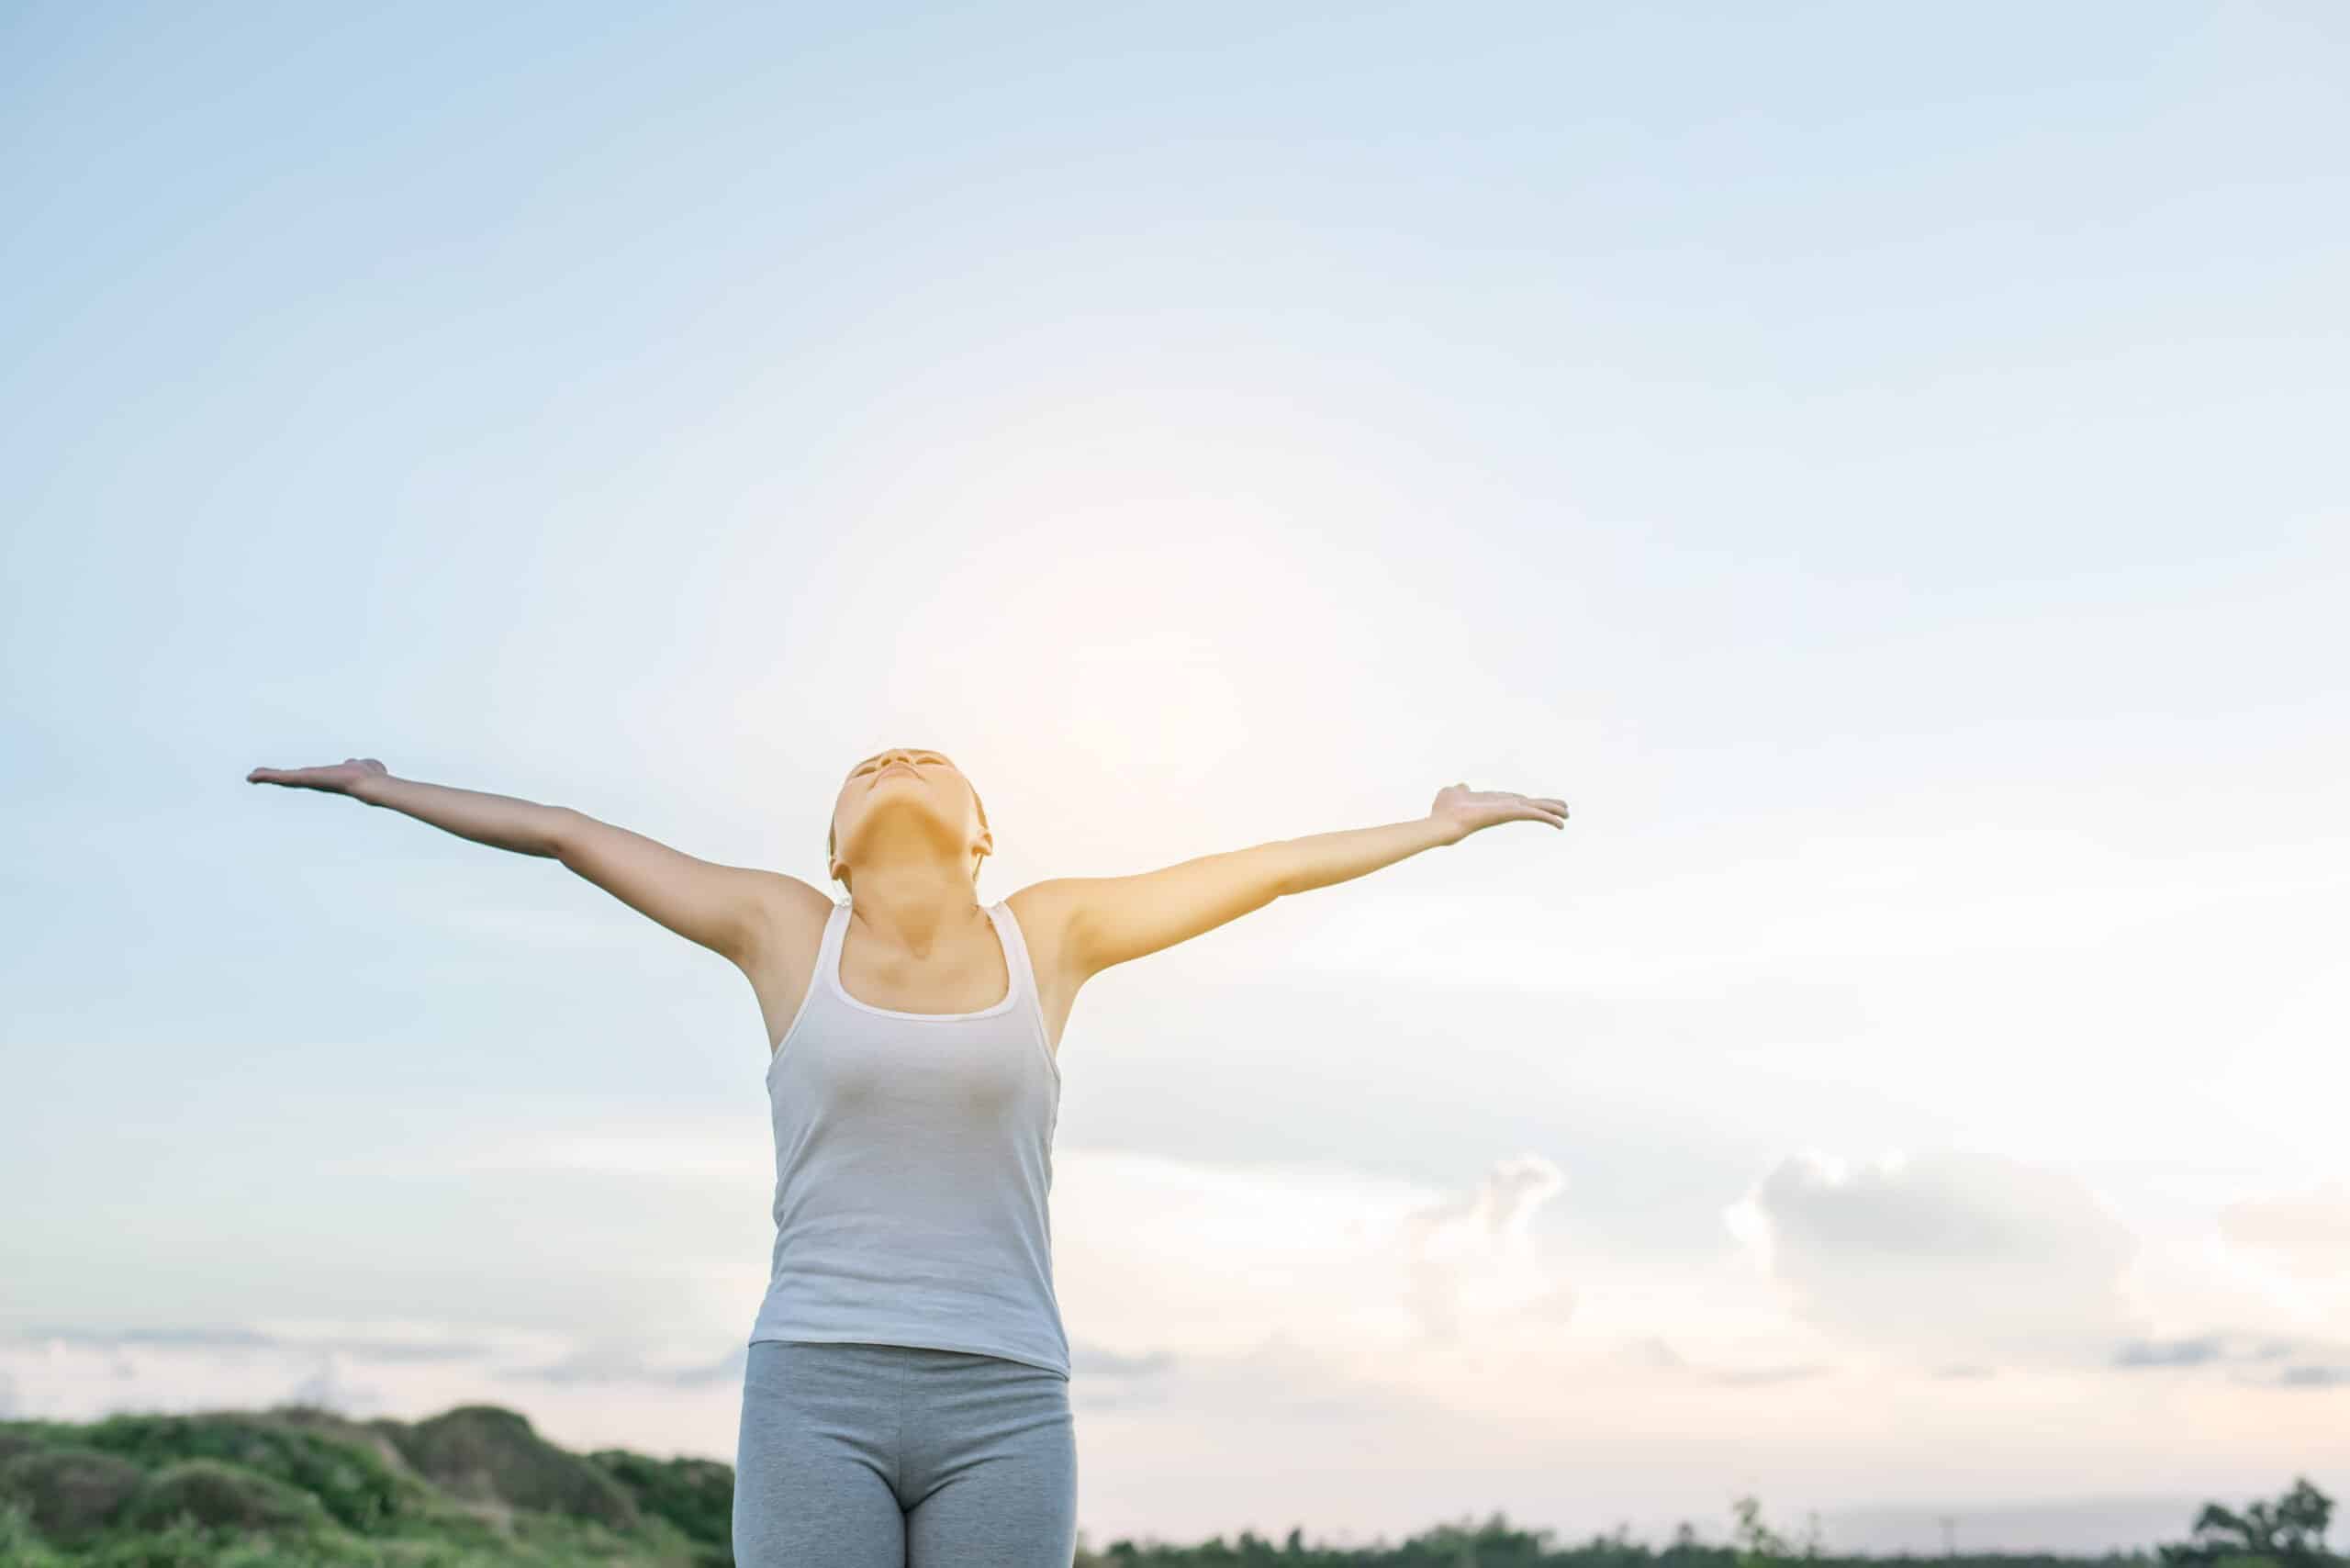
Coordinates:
x,y
857,1455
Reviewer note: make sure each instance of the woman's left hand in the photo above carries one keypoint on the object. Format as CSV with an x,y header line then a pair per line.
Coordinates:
x,y
1463,810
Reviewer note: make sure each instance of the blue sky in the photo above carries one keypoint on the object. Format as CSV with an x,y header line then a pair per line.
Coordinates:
x,y
1880,466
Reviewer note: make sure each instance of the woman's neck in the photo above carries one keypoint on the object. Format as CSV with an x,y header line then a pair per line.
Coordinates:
x,y
914,906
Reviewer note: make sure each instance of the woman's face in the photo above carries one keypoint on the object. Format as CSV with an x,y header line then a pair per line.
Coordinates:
x,y
906,779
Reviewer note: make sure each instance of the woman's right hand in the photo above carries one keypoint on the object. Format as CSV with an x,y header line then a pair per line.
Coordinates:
x,y
336,779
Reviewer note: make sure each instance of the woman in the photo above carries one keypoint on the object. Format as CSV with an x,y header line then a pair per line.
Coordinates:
x,y
905,1399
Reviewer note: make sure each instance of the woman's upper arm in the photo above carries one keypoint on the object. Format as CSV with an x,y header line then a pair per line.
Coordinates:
x,y
727,909
1096,922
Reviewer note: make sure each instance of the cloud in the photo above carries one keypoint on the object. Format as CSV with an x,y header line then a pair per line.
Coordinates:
x,y
605,1364
586,1395
327,1388
2314,1377
2311,1363
1471,1260
1763,1377
1949,1255
1276,1380
1193,1258
2196,1351
2306,1236
1157,1256
1650,1352
418,1342
1091,1361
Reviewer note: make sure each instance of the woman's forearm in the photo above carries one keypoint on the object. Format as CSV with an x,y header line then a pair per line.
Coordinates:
x,y
1321,858
502,821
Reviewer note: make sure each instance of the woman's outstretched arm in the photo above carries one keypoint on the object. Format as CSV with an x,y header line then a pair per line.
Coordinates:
x,y
1111,919
718,906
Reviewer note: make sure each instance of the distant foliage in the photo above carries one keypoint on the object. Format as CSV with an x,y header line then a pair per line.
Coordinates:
x,y
489,1454
2286,1535
2290,1533
1752,1543
694,1494
300,1487
70,1491
220,1496
356,1485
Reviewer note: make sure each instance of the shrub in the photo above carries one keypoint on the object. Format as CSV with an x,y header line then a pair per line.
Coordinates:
x,y
70,1491
355,1486
20,1544
694,1494
14,1441
484,1451
218,1494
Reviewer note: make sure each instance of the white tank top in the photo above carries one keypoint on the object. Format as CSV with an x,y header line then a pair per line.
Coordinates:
x,y
913,1164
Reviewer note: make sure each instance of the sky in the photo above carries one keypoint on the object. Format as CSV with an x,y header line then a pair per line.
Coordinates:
x,y
1880,466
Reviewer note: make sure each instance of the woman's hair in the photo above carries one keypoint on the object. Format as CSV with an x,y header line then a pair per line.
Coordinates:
x,y
831,843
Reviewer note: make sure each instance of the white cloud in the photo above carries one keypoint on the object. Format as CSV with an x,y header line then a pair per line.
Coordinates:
x,y
2308,1233
366,1367
1158,1253
328,1387
2297,1247
1474,1264
1949,1255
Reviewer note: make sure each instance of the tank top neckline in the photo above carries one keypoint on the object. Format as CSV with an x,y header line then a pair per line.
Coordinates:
x,y
836,943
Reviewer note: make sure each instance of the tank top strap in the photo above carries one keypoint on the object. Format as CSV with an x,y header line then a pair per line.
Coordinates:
x,y
1026,1001
1015,954
828,952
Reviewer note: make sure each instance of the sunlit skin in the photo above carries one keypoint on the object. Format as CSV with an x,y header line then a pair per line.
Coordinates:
x,y
908,836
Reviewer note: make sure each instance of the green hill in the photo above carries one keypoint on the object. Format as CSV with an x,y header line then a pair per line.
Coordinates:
x,y
474,1487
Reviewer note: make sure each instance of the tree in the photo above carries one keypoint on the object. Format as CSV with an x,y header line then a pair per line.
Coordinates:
x,y
2292,1531
1757,1544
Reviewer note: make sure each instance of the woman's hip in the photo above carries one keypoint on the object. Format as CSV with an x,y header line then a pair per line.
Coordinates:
x,y
912,1412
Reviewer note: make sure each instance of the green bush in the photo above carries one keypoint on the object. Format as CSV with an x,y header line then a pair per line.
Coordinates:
x,y
354,1484
488,1453
20,1543
70,1491
14,1440
694,1494
221,1495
